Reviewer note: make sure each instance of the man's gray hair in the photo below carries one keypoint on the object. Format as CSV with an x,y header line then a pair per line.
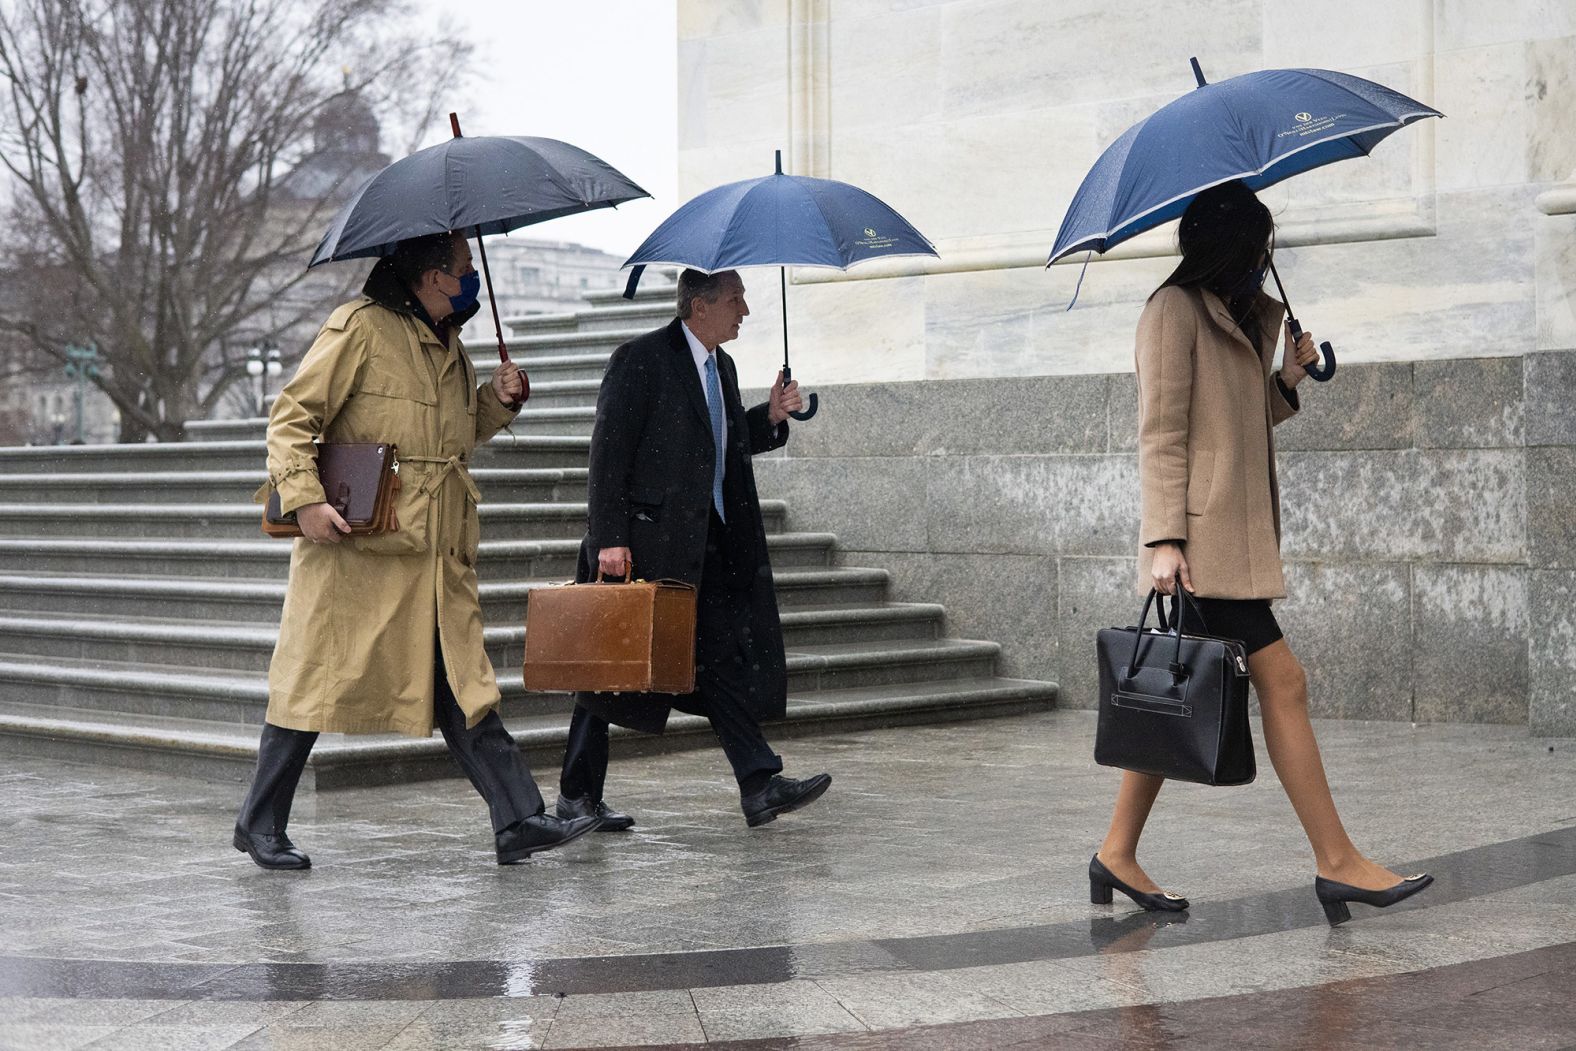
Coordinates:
x,y
693,285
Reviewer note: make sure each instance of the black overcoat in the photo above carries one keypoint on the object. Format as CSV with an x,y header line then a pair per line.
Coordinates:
x,y
650,491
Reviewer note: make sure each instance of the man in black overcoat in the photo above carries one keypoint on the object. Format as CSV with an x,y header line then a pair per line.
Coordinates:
x,y
673,493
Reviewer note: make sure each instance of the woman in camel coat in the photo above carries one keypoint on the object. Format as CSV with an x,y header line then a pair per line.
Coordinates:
x,y
1209,398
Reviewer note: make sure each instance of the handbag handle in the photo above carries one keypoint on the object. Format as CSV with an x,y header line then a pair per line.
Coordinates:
x,y
1179,670
1178,598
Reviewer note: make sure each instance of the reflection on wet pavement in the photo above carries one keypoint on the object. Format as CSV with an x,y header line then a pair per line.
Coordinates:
x,y
914,907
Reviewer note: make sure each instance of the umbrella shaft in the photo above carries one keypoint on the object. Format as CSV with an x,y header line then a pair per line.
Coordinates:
x,y
782,275
503,351
1291,318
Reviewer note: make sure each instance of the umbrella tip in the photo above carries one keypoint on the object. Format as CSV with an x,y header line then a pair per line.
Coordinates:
x,y
454,124
1198,74
779,162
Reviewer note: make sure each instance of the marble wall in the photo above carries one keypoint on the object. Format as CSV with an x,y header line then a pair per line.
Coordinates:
x,y
978,118
1428,511
976,436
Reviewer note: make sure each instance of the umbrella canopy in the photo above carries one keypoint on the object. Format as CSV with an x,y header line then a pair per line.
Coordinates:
x,y
488,184
1259,127
779,220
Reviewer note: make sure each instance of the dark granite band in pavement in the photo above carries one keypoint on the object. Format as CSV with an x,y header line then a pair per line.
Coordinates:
x,y
1524,1001
1459,876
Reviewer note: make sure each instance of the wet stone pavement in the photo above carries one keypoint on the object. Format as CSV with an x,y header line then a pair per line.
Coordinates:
x,y
934,898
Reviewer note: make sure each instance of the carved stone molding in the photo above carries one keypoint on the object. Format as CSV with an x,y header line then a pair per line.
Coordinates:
x,y
1559,199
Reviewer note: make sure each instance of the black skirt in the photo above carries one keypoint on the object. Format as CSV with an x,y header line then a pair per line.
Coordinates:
x,y
1249,621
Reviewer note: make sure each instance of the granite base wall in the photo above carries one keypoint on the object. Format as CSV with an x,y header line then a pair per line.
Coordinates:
x,y
1429,525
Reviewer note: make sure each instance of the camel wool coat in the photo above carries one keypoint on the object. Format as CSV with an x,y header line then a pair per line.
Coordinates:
x,y
1207,404
361,617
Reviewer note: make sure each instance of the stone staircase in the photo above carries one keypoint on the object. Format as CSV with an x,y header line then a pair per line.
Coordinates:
x,y
139,602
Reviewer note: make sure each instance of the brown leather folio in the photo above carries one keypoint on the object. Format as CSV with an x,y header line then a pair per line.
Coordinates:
x,y
360,481
611,638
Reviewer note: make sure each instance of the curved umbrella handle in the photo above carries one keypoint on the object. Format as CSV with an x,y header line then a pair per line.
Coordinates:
x,y
815,403
1323,373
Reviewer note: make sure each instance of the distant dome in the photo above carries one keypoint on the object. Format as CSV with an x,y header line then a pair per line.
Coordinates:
x,y
346,124
344,152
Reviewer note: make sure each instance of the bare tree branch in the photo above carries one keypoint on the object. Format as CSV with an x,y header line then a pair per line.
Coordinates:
x,y
151,143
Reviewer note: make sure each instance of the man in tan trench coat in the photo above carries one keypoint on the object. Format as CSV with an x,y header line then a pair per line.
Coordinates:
x,y
384,633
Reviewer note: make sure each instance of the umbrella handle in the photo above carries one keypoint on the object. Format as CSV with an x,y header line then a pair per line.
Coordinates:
x,y
815,405
1322,373
815,402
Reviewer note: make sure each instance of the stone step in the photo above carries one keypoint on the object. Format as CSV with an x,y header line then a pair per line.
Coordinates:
x,y
261,601
505,450
657,285
650,310
524,350
563,393
137,688
562,367
542,485
643,314
227,751
246,647
576,420
270,559
568,386
511,521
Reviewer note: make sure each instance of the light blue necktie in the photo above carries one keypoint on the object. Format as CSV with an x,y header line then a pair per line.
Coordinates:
x,y
718,431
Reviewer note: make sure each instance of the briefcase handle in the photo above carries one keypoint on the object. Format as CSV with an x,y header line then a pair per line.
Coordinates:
x,y
629,575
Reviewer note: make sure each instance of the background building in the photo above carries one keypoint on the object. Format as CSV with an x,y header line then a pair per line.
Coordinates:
x,y
532,276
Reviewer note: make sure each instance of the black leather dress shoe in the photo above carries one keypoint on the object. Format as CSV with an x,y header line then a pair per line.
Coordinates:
x,y
612,820
540,832
271,852
782,795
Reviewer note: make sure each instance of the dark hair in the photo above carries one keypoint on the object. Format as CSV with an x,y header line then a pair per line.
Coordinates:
x,y
1224,233
416,256
694,284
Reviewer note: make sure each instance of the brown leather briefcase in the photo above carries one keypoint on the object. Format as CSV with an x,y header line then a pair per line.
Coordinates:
x,y
612,638
360,481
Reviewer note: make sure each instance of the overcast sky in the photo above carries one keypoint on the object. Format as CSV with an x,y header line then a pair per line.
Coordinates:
x,y
600,74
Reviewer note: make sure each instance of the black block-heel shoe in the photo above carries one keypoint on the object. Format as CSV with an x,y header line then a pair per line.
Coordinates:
x,y
1335,896
1102,883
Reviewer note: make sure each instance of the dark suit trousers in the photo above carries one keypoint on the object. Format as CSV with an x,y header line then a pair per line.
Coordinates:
x,y
721,680
486,753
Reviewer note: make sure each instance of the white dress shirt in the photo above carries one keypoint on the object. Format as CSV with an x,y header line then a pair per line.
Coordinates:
x,y
699,352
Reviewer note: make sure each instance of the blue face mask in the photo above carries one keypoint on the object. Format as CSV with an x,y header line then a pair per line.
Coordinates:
x,y
1253,281
470,288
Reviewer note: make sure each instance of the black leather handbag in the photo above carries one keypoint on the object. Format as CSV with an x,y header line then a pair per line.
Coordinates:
x,y
1174,704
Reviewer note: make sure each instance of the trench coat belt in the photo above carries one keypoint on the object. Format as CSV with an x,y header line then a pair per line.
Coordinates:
x,y
450,465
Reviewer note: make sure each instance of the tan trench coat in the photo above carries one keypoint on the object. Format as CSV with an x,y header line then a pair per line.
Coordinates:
x,y
1207,401
356,641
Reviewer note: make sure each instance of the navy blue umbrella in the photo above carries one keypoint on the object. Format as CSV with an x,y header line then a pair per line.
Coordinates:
x,y
1259,127
489,184
778,220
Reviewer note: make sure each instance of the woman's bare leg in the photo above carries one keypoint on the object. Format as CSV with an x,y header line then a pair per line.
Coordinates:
x,y
1119,852
1282,687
